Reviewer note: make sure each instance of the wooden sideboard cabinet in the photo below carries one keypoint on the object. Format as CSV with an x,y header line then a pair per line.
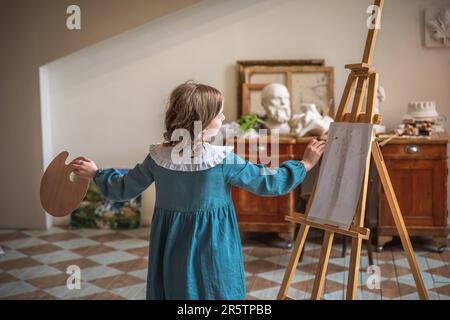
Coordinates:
x,y
418,171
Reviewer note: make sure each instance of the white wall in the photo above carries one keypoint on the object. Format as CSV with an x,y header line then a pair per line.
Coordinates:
x,y
106,102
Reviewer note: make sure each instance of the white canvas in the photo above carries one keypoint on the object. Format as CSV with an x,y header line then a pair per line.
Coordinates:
x,y
341,174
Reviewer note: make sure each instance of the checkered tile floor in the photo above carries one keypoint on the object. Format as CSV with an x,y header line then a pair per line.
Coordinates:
x,y
114,265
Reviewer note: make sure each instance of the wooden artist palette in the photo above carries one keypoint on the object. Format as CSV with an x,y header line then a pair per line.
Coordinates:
x,y
61,190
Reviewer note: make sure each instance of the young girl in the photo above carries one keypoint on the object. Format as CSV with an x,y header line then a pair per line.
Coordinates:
x,y
195,247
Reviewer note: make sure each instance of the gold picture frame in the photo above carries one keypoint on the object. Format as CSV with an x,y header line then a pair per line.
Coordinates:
x,y
308,81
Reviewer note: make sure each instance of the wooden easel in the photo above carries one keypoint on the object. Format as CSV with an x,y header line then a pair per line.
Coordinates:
x,y
360,74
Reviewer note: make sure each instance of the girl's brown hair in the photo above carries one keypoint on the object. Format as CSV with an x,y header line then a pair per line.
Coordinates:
x,y
190,102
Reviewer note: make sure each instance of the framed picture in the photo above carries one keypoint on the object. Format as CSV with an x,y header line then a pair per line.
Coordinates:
x,y
437,27
308,81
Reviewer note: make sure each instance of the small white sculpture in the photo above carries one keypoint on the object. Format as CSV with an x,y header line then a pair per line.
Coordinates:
x,y
381,97
275,101
309,121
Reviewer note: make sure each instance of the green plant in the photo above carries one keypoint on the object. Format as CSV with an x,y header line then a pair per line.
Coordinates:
x,y
248,122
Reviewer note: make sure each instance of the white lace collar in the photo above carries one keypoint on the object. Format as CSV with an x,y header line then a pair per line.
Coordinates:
x,y
211,156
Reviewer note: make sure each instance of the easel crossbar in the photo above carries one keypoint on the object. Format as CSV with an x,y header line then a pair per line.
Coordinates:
x,y
354,231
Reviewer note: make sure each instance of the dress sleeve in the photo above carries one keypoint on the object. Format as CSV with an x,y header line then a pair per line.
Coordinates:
x,y
260,179
122,187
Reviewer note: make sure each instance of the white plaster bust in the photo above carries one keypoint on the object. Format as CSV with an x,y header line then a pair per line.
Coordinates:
x,y
275,101
381,97
309,121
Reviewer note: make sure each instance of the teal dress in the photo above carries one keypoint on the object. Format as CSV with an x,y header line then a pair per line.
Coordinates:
x,y
195,249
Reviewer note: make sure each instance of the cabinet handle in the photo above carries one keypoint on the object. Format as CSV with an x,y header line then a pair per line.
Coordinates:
x,y
257,148
412,148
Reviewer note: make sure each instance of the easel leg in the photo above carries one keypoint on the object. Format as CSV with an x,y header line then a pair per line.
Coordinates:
x,y
398,218
292,266
370,252
344,246
355,257
323,264
353,270
343,106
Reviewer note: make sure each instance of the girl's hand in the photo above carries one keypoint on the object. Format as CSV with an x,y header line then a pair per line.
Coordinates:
x,y
313,152
84,168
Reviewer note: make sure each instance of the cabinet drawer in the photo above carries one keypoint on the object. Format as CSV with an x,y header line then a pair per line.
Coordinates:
x,y
414,151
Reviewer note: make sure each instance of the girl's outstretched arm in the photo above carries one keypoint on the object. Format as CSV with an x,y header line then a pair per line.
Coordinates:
x,y
263,181
113,184
259,179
